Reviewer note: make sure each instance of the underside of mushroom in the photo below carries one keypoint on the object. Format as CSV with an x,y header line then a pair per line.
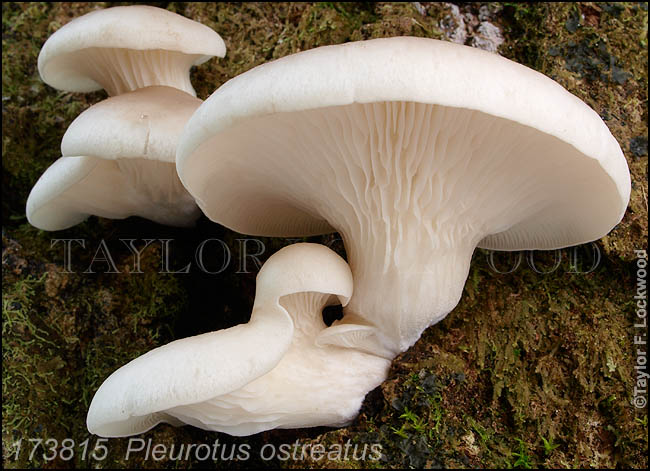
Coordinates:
x,y
121,70
413,189
74,188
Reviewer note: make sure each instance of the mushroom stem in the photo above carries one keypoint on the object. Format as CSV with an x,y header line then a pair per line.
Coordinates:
x,y
403,293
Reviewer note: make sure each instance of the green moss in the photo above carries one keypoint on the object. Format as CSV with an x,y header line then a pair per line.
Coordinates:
x,y
62,337
529,369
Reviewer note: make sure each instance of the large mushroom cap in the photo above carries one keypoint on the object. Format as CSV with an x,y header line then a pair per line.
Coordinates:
x,y
125,48
416,151
118,161
510,125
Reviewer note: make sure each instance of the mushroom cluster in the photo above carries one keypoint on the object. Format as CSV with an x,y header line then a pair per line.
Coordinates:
x,y
416,151
118,157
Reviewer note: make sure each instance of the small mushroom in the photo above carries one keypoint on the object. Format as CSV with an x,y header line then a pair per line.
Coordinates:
x,y
119,161
416,151
265,374
125,48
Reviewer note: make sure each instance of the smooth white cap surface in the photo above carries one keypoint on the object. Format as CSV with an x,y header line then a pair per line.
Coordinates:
x,y
146,124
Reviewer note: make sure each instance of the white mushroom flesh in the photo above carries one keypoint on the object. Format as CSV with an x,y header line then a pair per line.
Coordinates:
x,y
412,188
120,70
268,373
119,161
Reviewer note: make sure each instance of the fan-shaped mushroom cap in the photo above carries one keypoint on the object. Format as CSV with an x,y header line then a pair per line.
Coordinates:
x,y
416,151
125,48
252,377
119,161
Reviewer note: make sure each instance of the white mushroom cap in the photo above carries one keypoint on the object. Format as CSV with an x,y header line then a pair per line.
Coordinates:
x,y
252,377
119,161
124,48
416,151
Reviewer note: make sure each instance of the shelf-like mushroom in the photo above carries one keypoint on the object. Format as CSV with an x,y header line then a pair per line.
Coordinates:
x,y
125,48
119,161
268,373
417,151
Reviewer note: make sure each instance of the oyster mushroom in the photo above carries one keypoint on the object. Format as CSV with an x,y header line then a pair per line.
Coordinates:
x,y
125,48
265,374
416,151
119,161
